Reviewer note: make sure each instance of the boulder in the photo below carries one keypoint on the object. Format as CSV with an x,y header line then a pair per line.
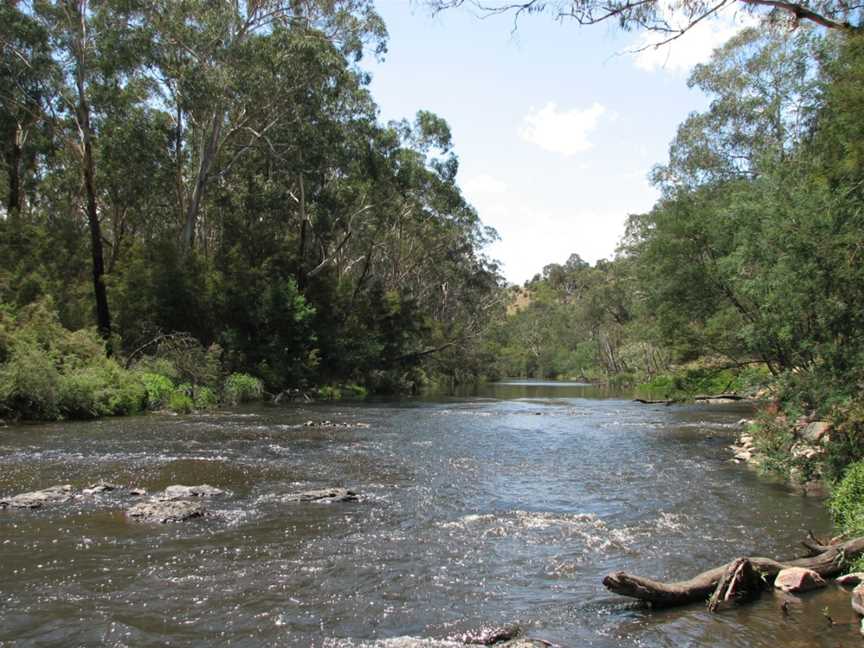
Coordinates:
x,y
137,492
178,491
858,599
162,511
323,496
852,579
816,432
37,499
798,579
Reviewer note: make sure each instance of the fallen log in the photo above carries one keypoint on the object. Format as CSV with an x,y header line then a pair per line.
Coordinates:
x,y
701,398
828,562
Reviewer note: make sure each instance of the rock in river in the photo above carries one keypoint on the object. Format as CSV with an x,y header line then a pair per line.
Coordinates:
x,y
858,599
183,492
798,579
37,499
99,487
163,511
855,578
324,496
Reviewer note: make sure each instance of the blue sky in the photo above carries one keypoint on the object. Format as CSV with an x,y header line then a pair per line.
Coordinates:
x,y
555,125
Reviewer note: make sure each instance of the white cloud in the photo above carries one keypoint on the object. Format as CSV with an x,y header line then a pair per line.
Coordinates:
x,y
561,131
694,47
536,231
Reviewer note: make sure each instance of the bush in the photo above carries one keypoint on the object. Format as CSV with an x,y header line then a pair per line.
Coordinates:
x,y
355,391
329,392
103,389
30,383
847,500
205,398
242,388
181,402
847,438
159,389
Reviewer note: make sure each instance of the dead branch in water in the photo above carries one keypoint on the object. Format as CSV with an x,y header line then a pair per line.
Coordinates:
x,y
733,580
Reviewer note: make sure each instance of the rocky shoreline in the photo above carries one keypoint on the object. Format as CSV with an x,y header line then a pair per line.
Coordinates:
x,y
811,439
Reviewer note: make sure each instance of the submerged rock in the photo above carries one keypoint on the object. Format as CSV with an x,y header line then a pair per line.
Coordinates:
x,y
163,511
37,499
100,487
179,491
798,579
323,496
490,636
329,425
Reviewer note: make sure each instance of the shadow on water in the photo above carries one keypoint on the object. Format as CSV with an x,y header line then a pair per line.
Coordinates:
x,y
507,504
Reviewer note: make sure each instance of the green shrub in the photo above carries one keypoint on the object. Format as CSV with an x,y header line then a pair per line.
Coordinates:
x,y
774,438
847,500
329,392
30,382
103,389
242,388
355,391
159,389
205,398
181,402
847,438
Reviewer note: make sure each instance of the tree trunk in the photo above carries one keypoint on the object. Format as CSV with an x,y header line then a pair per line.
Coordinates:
x,y
209,146
828,561
13,164
103,317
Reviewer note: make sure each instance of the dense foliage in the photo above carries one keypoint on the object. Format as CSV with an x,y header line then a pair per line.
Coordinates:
x,y
218,169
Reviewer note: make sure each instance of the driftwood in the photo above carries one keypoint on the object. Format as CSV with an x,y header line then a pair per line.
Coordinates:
x,y
698,399
733,580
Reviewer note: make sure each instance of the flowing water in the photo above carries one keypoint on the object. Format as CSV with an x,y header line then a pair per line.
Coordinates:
x,y
508,506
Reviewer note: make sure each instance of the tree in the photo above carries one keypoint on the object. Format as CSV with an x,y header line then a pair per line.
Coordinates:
x,y
671,23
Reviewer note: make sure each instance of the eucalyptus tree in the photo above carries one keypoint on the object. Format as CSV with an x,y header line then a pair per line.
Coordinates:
x,y
672,20
199,49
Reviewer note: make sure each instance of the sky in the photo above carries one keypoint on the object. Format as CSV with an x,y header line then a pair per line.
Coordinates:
x,y
556,126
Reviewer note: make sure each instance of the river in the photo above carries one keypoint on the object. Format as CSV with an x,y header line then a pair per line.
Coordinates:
x,y
505,506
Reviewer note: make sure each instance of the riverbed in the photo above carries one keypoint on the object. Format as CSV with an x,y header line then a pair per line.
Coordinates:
x,y
506,506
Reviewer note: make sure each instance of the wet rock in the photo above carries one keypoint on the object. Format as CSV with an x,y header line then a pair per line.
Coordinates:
x,y
162,511
858,599
854,578
38,499
798,579
743,456
490,636
816,432
179,491
99,487
331,425
323,496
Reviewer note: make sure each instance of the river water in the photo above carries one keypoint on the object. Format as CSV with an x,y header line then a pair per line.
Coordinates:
x,y
507,506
